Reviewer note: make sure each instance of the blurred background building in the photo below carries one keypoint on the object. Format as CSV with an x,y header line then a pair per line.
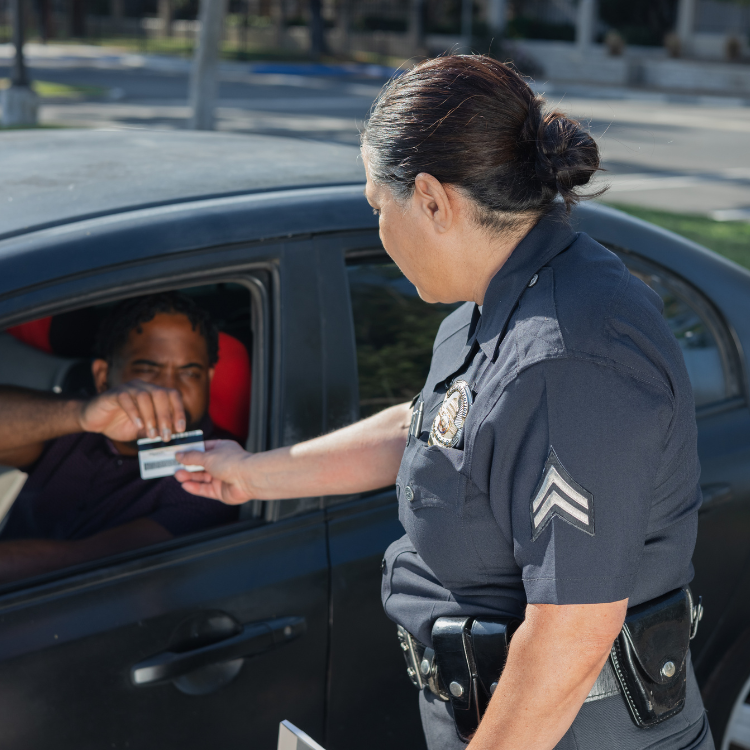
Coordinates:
x,y
385,30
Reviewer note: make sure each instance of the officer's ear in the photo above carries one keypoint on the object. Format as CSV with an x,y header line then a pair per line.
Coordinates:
x,y
434,202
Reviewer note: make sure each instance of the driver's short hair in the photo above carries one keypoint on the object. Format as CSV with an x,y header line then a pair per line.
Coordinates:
x,y
131,314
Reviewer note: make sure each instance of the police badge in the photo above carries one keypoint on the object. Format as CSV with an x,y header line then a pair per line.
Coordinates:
x,y
448,425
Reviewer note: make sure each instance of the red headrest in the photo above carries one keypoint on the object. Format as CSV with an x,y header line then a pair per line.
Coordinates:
x,y
230,389
34,333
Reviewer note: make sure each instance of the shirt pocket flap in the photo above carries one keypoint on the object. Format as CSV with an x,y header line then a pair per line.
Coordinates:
x,y
435,478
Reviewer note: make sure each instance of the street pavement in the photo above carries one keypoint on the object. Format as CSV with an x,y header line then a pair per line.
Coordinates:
x,y
677,153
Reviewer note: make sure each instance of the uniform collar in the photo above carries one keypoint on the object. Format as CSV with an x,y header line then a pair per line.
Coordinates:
x,y
549,237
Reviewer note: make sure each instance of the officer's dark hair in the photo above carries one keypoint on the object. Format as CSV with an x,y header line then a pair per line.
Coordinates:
x,y
131,314
475,124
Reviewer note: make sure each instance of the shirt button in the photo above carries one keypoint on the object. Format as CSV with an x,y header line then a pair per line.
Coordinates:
x,y
409,492
534,279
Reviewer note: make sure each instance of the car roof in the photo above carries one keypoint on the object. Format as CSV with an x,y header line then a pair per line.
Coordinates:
x,y
54,177
77,201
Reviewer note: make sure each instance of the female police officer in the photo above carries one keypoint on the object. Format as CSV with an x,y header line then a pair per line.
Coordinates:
x,y
550,473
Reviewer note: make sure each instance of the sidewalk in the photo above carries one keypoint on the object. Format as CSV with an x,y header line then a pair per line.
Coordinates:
x,y
107,58
646,69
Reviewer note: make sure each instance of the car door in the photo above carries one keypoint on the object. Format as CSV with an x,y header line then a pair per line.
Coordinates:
x,y
385,334
715,369
392,338
208,640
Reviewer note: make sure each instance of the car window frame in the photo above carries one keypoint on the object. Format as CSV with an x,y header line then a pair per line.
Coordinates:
x,y
260,278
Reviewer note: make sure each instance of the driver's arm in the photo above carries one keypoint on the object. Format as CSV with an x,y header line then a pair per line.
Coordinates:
x,y
30,418
24,558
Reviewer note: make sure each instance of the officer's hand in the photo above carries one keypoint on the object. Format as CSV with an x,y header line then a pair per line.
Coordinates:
x,y
224,462
135,409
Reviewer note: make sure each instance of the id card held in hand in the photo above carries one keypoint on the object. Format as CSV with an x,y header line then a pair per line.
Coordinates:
x,y
157,458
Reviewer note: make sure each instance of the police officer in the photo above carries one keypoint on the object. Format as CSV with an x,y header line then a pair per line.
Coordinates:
x,y
549,486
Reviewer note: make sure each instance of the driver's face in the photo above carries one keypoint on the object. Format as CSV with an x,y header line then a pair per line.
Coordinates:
x,y
170,354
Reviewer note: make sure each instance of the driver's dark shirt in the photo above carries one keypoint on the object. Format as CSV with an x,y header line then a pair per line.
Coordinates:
x,y
81,485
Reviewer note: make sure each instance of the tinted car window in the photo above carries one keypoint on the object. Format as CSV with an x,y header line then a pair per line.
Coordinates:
x,y
394,331
699,332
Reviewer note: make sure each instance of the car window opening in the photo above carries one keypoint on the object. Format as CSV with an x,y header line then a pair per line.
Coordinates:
x,y
80,497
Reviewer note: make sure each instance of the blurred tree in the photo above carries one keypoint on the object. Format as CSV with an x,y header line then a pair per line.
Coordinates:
x,y
44,15
317,31
77,18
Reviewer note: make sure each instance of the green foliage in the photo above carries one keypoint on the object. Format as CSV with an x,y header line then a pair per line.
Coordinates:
x,y
381,23
48,89
445,18
728,238
640,21
394,330
522,27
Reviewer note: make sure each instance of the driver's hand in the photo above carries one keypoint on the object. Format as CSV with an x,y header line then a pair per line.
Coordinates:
x,y
223,461
134,410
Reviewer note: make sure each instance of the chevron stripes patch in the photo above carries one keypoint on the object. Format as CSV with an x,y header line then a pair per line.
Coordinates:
x,y
558,494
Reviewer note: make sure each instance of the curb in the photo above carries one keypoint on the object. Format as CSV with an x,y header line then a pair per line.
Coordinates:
x,y
89,56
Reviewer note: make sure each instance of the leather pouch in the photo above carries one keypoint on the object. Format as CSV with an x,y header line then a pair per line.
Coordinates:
x,y
471,655
649,657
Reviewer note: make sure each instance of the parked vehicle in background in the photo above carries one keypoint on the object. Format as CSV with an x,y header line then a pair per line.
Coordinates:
x,y
276,239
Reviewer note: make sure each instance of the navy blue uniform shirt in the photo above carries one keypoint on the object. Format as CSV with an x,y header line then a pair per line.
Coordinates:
x,y
81,485
577,478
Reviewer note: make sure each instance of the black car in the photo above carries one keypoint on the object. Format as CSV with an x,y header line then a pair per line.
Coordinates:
x,y
211,639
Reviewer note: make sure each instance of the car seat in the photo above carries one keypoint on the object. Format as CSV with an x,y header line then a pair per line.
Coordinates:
x,y
229,406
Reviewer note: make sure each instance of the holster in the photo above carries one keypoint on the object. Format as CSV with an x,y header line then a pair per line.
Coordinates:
x,y
470,656
649,656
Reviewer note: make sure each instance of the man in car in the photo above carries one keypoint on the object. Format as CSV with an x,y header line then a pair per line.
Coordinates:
x,y
84,497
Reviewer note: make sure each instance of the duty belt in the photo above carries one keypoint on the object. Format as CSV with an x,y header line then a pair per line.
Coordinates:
x,y
649,670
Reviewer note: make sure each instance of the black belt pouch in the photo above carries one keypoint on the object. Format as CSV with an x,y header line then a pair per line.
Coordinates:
x,y
470,655
650,657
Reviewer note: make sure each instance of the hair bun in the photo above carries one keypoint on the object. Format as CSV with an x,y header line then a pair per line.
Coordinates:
x,y
565,155
474,123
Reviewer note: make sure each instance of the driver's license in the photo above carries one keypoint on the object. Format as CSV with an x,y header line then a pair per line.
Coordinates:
x,y
157,458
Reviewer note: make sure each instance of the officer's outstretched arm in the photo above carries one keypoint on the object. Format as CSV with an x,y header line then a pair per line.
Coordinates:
x,y
361,457
554,660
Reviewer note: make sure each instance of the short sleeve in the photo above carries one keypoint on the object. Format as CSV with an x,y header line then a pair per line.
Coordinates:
x,y
181,513
577,446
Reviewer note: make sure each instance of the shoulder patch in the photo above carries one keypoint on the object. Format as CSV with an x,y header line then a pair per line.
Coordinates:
x,y
558,494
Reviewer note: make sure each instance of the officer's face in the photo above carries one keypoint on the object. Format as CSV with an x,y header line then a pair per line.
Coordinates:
x,y
435,239
412,237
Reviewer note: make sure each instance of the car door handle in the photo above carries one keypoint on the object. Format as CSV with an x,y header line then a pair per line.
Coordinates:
x,y
255,638
715,495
